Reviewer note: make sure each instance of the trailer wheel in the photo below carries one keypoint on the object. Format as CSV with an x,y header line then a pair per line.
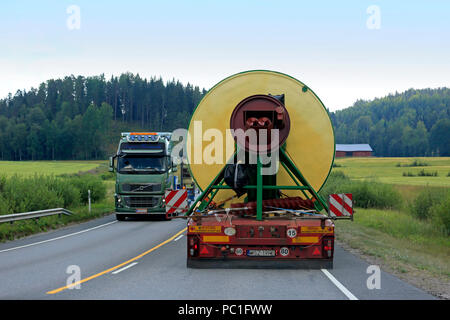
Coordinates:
x,y
120,217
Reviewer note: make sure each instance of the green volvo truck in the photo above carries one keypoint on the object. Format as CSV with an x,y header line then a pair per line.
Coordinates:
x,y
143,172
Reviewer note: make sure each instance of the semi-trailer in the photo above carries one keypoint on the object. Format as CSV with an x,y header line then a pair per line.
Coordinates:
x,y
250,215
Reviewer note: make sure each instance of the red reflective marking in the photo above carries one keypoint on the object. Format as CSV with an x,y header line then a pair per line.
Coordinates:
x,y
335,210
346,206
341,201
337,198
169,196
178,202
204,250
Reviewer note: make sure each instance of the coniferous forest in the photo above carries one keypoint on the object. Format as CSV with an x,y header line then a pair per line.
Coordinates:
x,y
82,117
408,124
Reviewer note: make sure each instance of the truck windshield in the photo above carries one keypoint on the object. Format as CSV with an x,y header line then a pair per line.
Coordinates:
x,y
141,164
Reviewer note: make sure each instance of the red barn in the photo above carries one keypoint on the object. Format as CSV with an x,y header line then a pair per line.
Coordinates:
x,y
353,150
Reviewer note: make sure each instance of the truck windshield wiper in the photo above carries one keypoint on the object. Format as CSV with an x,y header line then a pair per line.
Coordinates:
x,y
145,170
128,170
153,169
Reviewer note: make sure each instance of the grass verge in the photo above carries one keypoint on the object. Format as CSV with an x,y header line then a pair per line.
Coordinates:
x,y
24,228
99,208
414,250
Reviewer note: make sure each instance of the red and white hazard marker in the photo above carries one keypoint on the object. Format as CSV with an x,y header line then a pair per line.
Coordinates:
x,y
176,201
341,205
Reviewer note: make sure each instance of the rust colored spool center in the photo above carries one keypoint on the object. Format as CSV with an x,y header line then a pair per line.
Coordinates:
x,y
256,116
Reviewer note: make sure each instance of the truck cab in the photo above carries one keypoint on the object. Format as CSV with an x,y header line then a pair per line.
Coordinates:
x,y
143,172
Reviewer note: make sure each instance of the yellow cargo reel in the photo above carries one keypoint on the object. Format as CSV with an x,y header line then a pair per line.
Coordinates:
x,y
310,144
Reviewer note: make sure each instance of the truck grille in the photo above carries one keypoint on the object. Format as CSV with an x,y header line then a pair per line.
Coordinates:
x,y
141,202
141,187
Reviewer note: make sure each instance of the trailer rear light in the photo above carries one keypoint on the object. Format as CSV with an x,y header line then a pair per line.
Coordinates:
x,y
327,247
193,246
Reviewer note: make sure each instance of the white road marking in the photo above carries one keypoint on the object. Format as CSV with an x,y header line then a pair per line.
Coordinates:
x,y
178,238
339,285
124,268
58,238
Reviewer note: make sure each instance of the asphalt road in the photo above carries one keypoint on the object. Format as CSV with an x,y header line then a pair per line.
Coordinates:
x,y
147,260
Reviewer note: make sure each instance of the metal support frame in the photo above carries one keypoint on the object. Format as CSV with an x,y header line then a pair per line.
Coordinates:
x,y
301,184
259,189
284,158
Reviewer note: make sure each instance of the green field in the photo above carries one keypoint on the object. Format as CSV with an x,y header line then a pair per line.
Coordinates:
x,y
28,168
386,170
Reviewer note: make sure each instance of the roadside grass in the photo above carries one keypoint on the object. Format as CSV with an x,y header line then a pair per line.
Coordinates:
x,y
366,193
402,225
80,180
410,239
387,170
28,168
409,192
24,228
414,250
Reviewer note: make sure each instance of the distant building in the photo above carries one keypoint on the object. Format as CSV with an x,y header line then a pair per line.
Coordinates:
x,y
353,150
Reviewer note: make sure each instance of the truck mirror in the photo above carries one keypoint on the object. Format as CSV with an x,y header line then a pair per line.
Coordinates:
x,y
111,164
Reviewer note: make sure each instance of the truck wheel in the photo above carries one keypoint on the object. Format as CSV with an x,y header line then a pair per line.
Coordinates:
x,y
120,217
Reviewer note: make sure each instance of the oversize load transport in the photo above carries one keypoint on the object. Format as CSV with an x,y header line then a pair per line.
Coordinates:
x,y
249,216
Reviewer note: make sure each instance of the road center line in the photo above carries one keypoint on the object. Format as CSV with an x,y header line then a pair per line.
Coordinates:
x,y
178,238
124,268
339,285
58,238
118,266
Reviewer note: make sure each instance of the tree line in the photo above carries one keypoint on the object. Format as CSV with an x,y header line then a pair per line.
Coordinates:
x,y
411,123
82,117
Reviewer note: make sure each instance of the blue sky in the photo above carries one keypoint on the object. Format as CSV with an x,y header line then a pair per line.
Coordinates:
x,y
325,44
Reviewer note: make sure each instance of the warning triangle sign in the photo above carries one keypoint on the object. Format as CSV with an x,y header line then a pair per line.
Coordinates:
x,y
204,250
316,251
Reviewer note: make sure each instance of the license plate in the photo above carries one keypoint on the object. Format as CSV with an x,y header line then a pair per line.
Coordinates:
x,y
141,210
261,253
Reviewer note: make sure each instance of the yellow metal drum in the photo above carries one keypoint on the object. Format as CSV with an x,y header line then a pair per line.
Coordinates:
x,y
310,143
